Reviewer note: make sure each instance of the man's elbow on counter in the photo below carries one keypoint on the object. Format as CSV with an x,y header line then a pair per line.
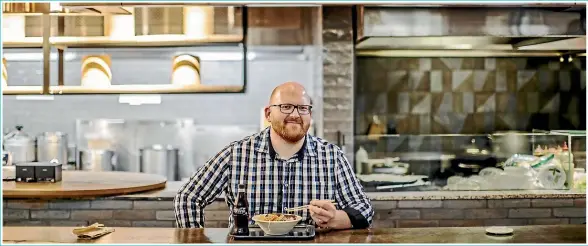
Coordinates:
x,y
180,210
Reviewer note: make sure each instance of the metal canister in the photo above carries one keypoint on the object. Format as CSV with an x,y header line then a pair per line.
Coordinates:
x,y
161,160
52,146
97,160
20,146
72,152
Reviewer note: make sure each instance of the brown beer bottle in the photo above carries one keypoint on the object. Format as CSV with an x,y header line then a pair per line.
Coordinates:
x,y
241,213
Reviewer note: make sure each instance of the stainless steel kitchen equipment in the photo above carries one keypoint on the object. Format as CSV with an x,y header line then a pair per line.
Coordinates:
x,y
97,160
72,152
506,144
72,157
39,172
20,146
473,158
127,137
160,159
52,146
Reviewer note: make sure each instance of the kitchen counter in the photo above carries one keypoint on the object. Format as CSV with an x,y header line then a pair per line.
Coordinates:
x,y
140,186
79,184
173,186
522,234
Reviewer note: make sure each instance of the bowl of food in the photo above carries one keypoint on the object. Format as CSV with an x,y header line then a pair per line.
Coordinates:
x,y
276,224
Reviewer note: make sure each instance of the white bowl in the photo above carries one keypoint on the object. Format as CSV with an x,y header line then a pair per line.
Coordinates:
x,y
276,227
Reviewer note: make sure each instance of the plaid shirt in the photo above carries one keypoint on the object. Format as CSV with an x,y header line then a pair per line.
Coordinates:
x,y
319,170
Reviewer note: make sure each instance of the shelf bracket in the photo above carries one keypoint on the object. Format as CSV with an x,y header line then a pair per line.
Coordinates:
x,y
245,26
60,50
46,53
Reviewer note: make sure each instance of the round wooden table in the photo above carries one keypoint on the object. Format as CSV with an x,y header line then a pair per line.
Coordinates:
x,y
76,184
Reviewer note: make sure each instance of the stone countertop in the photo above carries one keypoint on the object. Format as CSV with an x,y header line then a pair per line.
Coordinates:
x,y
470,195
521,234
172,187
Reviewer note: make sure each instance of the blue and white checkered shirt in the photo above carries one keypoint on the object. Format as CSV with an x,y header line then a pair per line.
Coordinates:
x,y
319,171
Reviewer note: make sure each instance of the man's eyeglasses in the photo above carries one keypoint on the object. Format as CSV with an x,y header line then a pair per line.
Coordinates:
x,y
289,108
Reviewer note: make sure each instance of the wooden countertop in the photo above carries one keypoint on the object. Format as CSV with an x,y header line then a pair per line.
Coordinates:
x,y
522,234
78,184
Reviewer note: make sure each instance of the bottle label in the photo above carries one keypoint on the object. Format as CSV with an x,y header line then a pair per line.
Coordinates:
x,y
240,211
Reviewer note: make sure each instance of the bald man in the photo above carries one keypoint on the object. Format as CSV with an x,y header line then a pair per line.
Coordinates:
x,y
282,166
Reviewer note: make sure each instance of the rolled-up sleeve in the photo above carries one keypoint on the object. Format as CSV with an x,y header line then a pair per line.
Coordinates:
x,y
350,192
202,188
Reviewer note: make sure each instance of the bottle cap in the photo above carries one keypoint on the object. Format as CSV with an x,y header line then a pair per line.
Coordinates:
x,y
241,187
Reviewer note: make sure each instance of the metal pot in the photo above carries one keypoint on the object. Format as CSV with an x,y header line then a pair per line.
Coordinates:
x,y
97,160
161,160
506,144
20,146
473,159
52,146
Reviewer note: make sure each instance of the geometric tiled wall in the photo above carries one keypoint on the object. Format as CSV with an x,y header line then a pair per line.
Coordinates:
x,y
470,95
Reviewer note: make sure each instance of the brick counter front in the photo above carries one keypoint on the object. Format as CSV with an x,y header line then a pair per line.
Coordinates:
x,y
395,209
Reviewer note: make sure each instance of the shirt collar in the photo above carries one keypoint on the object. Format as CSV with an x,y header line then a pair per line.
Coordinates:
x,y
265,145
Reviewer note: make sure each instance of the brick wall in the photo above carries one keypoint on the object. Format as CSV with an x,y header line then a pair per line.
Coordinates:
x,y
116,213
403,213
458,213
338,71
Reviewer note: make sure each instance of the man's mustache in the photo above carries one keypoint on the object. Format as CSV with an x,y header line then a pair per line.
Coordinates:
x,y
293,120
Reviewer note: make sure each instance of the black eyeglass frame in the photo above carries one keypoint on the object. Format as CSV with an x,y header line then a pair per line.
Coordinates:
x,y
297,107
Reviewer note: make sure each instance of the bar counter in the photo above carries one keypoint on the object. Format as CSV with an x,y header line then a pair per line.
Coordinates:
x,y
392,209
522,234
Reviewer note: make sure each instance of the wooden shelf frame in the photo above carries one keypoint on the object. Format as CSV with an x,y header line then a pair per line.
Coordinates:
x,y
122,89
61,43
136,41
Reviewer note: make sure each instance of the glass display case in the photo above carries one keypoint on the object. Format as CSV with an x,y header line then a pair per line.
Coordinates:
x,y
498,161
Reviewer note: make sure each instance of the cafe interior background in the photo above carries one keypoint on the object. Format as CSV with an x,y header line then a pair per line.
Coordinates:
x,y
446,98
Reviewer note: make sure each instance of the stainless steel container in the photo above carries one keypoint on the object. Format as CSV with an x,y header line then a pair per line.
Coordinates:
x,y
52,145
97,160
20,146
506,144
72,152
161,160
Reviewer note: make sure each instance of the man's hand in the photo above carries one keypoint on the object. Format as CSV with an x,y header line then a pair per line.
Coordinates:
x,y
326,215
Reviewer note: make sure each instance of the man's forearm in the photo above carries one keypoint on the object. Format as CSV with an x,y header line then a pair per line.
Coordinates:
x,y
343,221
